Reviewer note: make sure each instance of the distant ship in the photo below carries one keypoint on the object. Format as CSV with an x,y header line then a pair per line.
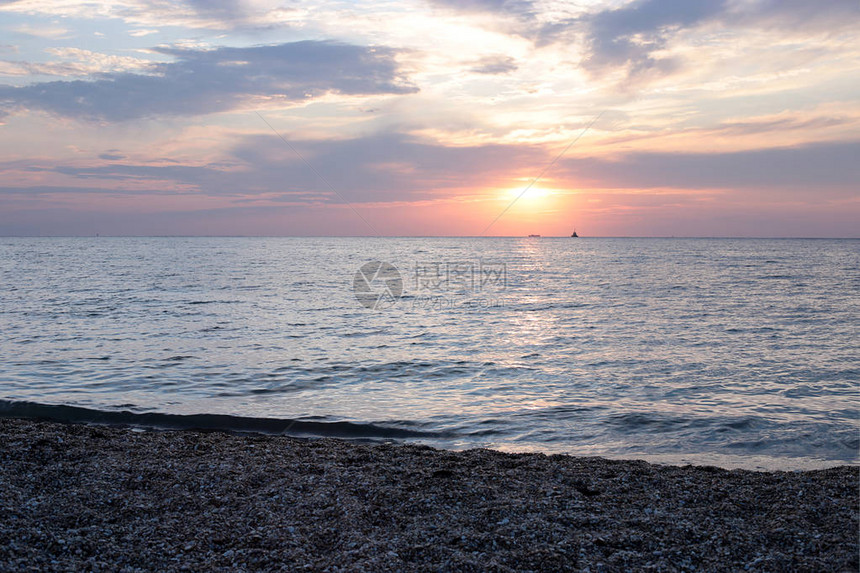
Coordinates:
x,y
574,235
534,236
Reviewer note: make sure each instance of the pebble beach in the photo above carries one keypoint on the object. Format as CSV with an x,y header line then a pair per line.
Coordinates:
x,y
77,497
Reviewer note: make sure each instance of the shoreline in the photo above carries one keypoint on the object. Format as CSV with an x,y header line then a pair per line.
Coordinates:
x,y
370,433
106,498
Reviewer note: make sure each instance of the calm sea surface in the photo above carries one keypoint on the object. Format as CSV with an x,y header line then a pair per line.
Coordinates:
x,y
739,353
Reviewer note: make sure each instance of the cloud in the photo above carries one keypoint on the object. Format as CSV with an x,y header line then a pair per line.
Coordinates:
x,y
630,35
220,8
382,167
790,14
111,156
638,37
788,169
75,62
395,167
634,35
205,14
37,191
210,81
494,65
141,33
47,32
778,124
514,7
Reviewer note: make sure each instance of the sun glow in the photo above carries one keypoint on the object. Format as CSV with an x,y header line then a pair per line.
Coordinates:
x,y
529,194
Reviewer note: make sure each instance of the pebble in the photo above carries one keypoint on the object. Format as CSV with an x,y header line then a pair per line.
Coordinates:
x,y
186,501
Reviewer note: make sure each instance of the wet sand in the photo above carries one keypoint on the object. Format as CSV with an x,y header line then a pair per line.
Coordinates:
x,y
96,498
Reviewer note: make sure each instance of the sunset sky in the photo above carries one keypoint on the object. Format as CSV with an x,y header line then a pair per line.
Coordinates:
x,y
429,117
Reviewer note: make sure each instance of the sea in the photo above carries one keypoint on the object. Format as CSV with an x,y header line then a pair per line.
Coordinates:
x,y
738,353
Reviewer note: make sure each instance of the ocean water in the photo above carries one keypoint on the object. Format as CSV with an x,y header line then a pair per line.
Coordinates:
x,y
738,353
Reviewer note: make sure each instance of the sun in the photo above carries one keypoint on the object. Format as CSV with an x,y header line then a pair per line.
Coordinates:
x,y
530,195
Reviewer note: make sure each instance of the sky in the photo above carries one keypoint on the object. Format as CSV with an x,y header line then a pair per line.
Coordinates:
x,y
430,117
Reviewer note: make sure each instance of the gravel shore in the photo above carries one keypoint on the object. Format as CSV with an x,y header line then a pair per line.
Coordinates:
x,y
93,498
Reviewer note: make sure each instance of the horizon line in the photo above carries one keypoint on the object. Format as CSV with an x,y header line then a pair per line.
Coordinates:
x,y
177,236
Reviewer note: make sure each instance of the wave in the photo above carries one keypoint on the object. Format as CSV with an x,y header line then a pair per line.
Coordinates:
x,y
210,422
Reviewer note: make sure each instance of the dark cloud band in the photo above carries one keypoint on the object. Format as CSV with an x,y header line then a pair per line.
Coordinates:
x,y
210,81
